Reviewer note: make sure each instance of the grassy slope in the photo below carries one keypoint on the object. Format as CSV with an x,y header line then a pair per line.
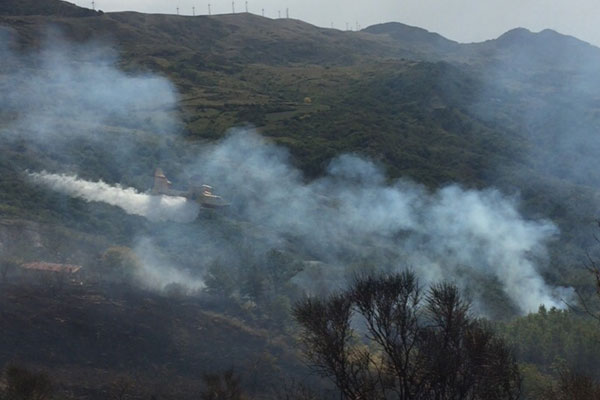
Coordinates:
x,y
89,337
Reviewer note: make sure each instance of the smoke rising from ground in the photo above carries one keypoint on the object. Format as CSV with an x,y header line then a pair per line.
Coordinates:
x,y
352,214
73,104
155,208
158,272
67,96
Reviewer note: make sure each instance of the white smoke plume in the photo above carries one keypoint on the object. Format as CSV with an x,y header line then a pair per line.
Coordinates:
x,y
159,273
352,213
544,86
67,96
155,208
349,216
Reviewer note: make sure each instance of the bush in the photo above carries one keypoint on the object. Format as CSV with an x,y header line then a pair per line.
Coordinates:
x,y
22,384
224,386
120,263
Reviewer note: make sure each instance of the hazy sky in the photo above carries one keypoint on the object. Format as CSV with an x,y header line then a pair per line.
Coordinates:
x,y
461,20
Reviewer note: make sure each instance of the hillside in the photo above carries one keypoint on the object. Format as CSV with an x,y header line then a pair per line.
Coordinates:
x,y
56,8
387,148
423,107
425,42
91,337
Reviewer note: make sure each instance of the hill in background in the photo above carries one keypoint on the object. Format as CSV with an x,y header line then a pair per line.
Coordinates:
x,y
56,8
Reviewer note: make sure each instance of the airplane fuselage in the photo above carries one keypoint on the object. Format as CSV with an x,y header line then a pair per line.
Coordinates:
x,y
201,194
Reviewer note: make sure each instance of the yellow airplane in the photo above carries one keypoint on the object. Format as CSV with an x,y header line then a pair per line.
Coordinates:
x,y
202,194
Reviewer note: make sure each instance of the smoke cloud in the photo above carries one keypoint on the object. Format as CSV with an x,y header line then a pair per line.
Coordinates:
x,y
68,98
352,214
159,273
155,208
544,86
349,220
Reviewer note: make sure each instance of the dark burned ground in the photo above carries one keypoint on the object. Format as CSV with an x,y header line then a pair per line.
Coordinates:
x,y
92,339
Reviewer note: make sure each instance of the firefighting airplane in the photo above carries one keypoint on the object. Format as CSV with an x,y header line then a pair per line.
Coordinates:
x,y
202,194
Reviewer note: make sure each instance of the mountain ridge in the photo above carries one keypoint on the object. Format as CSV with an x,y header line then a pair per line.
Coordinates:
x,y
271,37
58,8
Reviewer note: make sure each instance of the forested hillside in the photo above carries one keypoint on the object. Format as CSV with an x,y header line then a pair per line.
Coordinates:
x,y
338,154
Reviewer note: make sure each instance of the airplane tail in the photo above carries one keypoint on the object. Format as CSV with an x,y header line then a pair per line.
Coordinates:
x,y
161,184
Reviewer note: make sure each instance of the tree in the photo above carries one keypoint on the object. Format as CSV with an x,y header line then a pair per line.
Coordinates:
x,y
6,266
121,388
412,345
224,386
290,389
120,263
593,266
22,384
573,385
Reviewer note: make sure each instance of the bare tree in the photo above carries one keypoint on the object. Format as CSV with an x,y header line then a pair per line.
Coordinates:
x,y
224,386
6,266
295,390
572,385
414,346
122,388
593,266
464,358
331,348
23,384
391,310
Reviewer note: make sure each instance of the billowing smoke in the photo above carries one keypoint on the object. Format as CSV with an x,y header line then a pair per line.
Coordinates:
x,y
544,86
540,92
73,106
158,272
68,98
352,214
155,208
